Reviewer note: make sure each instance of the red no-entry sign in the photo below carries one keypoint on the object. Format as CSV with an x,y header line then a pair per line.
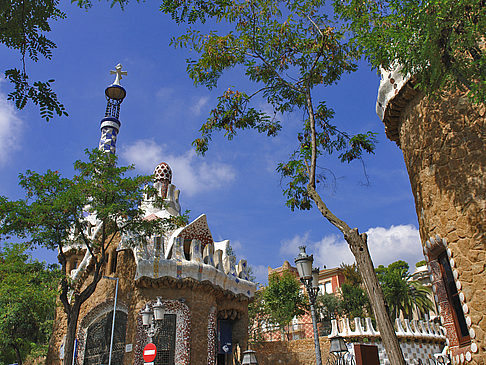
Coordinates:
x,y
149,352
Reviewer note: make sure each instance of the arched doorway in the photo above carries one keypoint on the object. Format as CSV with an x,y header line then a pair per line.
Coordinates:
x,y
98,339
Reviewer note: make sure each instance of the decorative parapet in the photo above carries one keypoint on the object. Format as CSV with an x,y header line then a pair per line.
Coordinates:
x,y
424,330
189,252
394,93
419,340
206,267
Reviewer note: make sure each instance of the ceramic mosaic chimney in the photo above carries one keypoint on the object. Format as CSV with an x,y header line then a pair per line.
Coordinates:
x,y
162,178
110,125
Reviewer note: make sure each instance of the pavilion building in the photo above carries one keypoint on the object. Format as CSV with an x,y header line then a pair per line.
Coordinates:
x,y
202,291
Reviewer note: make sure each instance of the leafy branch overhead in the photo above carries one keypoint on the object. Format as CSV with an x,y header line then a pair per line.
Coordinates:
x,y
23,28
286,48
440,43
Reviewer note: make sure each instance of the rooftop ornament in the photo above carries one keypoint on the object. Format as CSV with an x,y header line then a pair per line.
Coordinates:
x,y
110,124
115,91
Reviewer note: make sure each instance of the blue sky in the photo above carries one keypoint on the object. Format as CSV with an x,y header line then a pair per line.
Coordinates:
x,y
235,184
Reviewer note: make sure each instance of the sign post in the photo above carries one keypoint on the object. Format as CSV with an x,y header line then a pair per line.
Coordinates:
x,y
149,353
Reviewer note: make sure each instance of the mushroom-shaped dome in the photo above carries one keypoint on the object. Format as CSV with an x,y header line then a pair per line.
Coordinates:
x,y
162,173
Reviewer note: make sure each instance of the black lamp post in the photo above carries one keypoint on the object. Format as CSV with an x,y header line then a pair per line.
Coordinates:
x,y
310,278
338,352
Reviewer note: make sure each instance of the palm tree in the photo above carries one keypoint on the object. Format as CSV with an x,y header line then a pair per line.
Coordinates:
x,y
402,293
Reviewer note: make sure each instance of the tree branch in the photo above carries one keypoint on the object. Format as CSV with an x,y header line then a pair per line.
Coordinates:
x,y
326,212
312,121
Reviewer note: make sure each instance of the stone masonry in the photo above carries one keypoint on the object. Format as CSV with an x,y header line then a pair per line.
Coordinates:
x,y
443,144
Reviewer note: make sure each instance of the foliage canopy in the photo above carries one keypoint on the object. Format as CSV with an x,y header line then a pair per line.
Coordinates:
x,y
23,28
402,293
286,48
282,298
440,42
91,210
28,291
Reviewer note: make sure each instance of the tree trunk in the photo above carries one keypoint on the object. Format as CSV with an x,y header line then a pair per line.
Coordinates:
x,y
72,326
17,354
359,247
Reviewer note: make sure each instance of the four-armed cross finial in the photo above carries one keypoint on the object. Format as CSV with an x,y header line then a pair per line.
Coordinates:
x,y
118,74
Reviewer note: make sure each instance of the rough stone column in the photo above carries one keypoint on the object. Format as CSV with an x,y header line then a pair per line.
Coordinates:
x,y
443,143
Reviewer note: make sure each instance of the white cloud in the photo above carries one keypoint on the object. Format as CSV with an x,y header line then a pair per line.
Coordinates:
x,y
190,174
386,245
10,130
331,251
144,154
395,243
290,248
261,273
237,248
199,104
165,93
175,102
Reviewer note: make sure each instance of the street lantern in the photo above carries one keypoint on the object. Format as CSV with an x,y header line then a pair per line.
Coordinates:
x,y
338,352
310,279
159,310
151,318
147,315
338,344
249,357
304,264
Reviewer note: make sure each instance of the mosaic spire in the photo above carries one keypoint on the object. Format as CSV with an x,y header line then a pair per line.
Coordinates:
x,y
110,125
163,176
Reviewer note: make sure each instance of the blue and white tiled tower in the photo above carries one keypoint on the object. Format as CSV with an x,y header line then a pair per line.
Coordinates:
x,y
110,125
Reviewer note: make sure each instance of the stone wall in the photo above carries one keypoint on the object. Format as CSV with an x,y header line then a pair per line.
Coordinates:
x,y
418,340
297,352
443,143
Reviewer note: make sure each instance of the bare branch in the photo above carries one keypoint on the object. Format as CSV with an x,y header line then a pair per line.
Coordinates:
x,y
315,25
258,91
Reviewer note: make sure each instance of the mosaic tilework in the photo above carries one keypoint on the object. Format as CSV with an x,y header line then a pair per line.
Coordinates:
x,y
459,355
196,252
163,176
391,83
162,172
183,332
212,336
413,351
198,229
419,340
108,139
